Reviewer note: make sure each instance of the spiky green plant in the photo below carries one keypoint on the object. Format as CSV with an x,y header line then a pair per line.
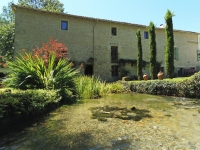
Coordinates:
x,y
28,72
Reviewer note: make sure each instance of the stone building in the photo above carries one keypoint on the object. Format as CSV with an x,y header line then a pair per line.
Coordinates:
x,y
107,48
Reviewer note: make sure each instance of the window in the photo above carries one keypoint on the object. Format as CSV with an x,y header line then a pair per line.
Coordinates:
x,y
114,31
146,35
175,53
114,70
64,25
114,53
198,55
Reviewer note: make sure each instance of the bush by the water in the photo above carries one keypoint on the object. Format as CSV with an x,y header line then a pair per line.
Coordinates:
x,y
186,88
190,87
155,87
18,103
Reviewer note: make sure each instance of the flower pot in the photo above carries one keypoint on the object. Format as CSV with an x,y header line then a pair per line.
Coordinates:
x,y
160,75
145,77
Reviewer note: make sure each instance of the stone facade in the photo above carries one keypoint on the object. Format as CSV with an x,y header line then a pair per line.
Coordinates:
x,y
91,39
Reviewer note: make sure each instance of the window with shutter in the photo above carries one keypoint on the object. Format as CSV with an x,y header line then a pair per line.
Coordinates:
x,y
198,55
146,35
175,53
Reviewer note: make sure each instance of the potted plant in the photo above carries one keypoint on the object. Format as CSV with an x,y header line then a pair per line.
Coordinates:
x,y
145,76
160,75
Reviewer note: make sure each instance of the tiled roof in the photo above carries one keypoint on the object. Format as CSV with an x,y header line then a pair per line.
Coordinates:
x,y
91,18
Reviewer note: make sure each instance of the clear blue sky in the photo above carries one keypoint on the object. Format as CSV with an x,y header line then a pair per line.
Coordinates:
x,y
187,12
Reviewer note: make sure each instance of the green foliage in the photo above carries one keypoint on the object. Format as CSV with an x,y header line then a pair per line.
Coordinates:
x,y
8,15
90,87
6,33
152,45
53,46
29,102
28,72
169,52
186,87
155,87
116,87
139,55
190,87
49,5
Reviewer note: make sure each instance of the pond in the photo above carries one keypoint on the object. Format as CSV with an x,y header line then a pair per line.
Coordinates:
x,y
117,121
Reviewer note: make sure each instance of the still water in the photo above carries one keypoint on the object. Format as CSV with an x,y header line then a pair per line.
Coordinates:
x,y
117,121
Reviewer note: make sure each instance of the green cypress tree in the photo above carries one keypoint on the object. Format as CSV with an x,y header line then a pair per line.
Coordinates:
x,y
139,55
152,46
169,51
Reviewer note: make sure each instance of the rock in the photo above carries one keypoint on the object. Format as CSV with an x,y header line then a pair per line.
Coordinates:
x,y
133,108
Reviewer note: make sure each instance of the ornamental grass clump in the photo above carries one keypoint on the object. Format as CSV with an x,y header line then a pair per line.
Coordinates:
x,y
91,87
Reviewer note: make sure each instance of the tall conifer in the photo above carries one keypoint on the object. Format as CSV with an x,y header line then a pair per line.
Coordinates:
x,y
152,47
169,51
139,55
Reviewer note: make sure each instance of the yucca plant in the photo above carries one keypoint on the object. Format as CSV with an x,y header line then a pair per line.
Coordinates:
x,y
28,72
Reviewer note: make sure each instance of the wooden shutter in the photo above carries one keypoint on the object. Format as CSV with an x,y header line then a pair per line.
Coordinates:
x,y
198,55
176,57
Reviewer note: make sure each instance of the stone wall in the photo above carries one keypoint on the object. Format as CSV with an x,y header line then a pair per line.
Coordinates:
x,y
91,38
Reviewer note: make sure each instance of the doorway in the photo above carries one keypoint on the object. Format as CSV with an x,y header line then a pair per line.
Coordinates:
x,y
89,70
180,72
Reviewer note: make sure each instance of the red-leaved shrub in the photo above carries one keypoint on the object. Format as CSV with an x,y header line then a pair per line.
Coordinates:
x,y
59,49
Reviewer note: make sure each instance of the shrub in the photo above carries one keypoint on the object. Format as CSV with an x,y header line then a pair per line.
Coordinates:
x,y
27,102
190,87
59,49
188,72
155,87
